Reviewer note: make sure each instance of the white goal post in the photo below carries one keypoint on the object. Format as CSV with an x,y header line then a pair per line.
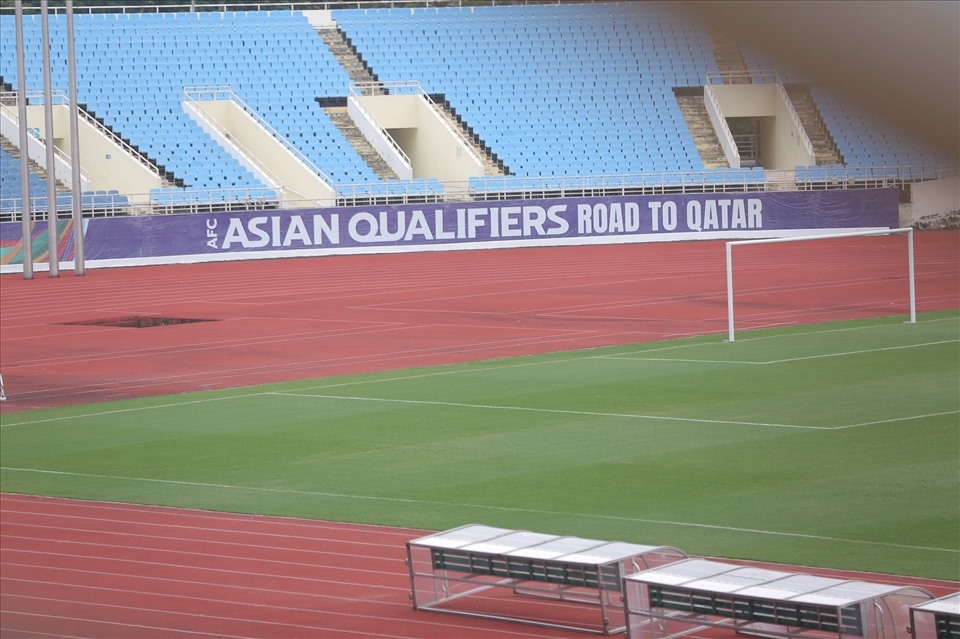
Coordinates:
x,y
826,236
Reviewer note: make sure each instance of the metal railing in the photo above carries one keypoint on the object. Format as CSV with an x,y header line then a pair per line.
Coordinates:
x,y
199,94
268,5
59,98
367,89
764,77
492,188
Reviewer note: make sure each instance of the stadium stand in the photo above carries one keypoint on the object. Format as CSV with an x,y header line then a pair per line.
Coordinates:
x,y
577,75
585,102
11,176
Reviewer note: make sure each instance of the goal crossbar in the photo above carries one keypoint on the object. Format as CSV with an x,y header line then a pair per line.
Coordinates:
x,y
825,236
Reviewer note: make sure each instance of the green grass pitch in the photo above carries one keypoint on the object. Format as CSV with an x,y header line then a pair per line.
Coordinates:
x,y
833,445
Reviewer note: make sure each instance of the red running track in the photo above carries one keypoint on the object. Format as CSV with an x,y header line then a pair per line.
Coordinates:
x,y
82,569
91,569
280,320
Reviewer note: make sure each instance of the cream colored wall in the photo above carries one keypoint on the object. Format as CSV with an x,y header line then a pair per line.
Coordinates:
x,y
435,151
105,164
257,149
781,142
932,198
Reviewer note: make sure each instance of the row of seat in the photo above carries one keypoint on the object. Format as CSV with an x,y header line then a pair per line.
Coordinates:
x,y
608,90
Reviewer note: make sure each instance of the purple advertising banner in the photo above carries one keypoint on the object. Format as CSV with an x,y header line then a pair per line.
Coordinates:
x,y
236,235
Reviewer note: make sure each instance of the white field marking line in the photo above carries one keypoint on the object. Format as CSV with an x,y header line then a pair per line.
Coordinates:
x,y
194,582
7,424
162,532
585,355
384,603
538,337
243,531
786,360
406,500
5,630
324,363
119,564
211,345
194,514
187,559
121,411
619,415
381,531
323,613
393,590
179,613
202,542
554,411
94,620
897,419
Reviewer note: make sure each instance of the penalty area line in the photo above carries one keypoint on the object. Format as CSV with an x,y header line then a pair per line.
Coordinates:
x,y
556,411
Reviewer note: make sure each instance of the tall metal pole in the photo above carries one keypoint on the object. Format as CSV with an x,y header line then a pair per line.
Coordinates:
x,y
910,275
25,213
52,239
730,331
75,186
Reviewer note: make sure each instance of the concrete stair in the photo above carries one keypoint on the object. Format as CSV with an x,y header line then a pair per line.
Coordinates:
x,y
492,165
359,73
729,57
342,120
824,146
690,100
35,168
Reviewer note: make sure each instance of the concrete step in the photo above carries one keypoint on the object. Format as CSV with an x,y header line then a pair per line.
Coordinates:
x,y
344,51
36,169
729,57
342,120
360,73
704,136
824,147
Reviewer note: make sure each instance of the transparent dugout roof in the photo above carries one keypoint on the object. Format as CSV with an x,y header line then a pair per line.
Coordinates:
x,y
530,545
717,577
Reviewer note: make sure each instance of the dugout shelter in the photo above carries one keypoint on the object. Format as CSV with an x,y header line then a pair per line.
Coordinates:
x,y
937,619
687,597
521,576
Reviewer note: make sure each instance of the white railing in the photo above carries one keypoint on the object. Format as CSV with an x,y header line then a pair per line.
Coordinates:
x,y
505,187
198,94
382,141
795,118
719,122
274,5
59,98
411,87
11,114
764,77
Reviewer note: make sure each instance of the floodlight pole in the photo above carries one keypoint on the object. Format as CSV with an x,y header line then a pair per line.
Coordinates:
x,y
53,253
26,216
76,212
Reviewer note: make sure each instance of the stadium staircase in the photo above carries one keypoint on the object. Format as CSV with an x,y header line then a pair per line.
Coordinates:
x,y
730,60
35,169
690,101
824,147
360,72
731,64
492,165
